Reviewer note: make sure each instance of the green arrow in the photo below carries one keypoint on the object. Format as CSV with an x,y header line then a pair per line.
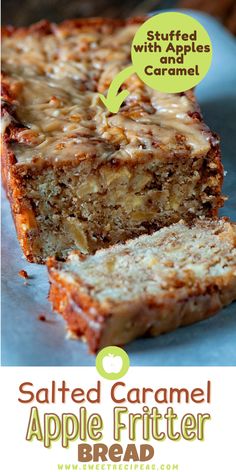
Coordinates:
x,y
113,100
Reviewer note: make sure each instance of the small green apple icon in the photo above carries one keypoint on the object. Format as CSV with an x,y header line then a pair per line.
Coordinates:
x,y
112,362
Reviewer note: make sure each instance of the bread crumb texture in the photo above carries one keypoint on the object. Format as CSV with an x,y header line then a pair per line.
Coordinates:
x,y
154,283
171,259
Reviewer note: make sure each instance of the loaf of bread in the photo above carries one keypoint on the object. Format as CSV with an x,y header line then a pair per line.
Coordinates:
x,y
150,285
79,177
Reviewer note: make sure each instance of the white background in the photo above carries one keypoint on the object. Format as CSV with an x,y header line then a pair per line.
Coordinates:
x,y
215,454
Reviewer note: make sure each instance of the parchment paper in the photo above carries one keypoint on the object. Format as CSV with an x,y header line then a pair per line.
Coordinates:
x,y
28,341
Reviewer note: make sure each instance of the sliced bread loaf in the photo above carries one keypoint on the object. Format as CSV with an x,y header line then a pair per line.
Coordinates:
x,y
149,285
79,177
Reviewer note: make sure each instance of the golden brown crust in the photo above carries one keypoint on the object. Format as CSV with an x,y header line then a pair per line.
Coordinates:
x,y
44,27
105,328
68,301
21,208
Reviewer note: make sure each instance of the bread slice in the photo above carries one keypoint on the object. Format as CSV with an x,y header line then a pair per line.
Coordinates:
x,y
79,177
150,285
